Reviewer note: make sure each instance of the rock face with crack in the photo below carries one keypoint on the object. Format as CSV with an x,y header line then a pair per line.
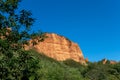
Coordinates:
x,y
59,48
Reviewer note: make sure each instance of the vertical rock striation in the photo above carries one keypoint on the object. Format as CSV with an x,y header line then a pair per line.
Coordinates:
x,y
59,48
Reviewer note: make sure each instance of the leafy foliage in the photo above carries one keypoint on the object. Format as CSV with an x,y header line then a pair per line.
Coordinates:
x,y
18,64
15,62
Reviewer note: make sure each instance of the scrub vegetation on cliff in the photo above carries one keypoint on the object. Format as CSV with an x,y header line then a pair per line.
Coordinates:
x,y
18,64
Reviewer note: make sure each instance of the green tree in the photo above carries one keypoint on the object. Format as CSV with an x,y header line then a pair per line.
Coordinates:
x,y
15,63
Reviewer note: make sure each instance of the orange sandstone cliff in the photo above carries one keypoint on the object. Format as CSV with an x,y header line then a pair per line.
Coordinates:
x,y
59,48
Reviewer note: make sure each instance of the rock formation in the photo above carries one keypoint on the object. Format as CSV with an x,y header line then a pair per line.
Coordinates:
x,y
109,61
59,48
104,61
113,62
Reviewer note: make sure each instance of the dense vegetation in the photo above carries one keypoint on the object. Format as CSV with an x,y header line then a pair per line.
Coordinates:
x,y
50,69
15,62
18,64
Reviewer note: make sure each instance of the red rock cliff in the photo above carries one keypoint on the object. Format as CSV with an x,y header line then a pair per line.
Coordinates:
x,y
59,48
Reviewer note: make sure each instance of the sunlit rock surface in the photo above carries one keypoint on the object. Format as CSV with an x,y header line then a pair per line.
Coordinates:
x,y
59,48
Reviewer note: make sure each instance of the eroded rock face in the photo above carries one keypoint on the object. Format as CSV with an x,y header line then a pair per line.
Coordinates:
x,y
59,48
110,62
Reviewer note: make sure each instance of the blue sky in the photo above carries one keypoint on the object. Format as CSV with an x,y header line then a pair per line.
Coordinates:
x,y
93,24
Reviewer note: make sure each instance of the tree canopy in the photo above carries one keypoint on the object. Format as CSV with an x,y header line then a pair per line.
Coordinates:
x,y
15,62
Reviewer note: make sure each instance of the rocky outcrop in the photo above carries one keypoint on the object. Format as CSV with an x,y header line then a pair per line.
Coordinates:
x,y
113,62
105,61
86,60
59,48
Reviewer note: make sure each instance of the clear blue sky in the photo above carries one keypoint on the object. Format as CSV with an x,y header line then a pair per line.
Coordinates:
x,y
93,24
